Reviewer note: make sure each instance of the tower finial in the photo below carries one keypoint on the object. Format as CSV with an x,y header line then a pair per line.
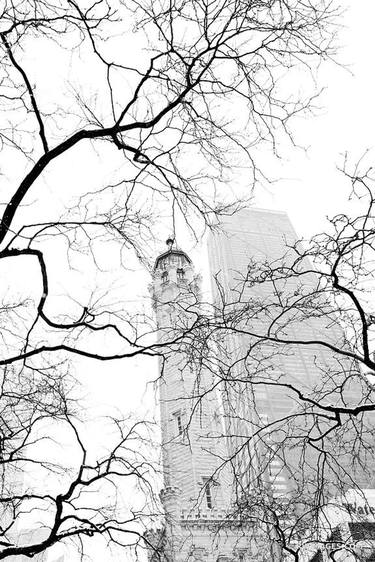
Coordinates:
x,y
170,242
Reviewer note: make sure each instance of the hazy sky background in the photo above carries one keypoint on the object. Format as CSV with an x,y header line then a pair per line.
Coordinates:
x,y
313,187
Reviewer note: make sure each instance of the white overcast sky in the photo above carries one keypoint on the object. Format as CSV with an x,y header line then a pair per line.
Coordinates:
x,y
309,189
313,187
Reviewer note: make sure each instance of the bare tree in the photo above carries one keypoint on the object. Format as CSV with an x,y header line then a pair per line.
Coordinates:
x,y
184,92
57,491
159,114
299,441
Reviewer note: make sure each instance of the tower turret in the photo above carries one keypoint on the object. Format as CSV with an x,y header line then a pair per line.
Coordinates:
x,y
173,275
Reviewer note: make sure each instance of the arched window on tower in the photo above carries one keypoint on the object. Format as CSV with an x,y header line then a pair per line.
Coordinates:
x,y
207,483
179,422
164,277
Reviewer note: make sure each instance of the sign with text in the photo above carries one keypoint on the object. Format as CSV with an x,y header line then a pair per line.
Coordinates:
x,y
354,506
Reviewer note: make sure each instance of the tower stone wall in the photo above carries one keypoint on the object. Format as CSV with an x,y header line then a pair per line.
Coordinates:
x,y
197,494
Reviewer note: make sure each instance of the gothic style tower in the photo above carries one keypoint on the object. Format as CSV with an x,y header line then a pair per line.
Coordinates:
x,y
197,491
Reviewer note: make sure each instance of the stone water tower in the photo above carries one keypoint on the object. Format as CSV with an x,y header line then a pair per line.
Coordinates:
x,y
197,492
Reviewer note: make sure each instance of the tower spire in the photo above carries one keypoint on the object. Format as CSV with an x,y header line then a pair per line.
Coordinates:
x,y
170,241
